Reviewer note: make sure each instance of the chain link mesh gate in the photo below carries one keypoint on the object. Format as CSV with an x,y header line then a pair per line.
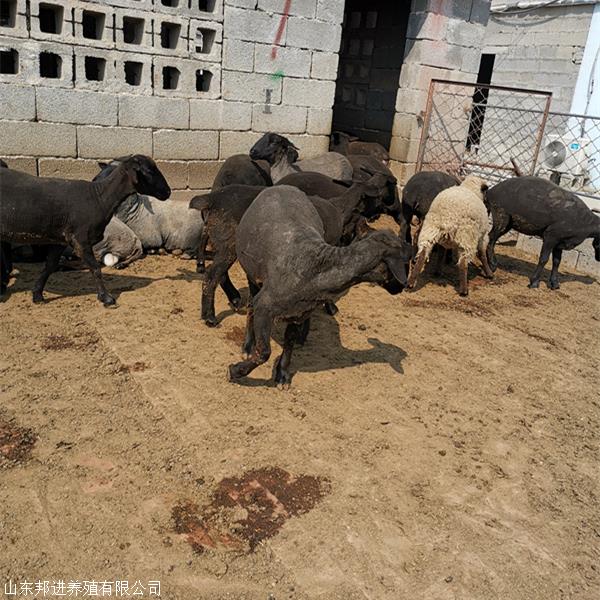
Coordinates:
x,y
482,129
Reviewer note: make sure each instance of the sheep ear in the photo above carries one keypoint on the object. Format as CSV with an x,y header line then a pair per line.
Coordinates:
x,y
398,269
484,187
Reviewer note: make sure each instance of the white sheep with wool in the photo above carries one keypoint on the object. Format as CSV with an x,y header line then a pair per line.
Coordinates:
x,y
458,219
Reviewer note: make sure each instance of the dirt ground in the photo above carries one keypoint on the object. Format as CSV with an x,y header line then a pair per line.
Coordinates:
x,y
431,447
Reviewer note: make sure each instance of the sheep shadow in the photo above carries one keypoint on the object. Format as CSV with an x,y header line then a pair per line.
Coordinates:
x,y
72,283
324,351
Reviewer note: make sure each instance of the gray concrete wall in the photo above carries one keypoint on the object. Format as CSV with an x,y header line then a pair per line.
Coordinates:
x,y
444,41
540,49
62,125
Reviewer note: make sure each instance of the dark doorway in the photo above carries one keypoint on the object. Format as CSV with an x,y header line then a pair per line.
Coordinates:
x,y
373,40
480,98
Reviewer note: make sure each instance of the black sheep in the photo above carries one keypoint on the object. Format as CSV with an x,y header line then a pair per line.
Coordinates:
x,y
291,270
58,213
538,207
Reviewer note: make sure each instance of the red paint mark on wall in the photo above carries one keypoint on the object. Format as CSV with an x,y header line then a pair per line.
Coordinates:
x,y
281,28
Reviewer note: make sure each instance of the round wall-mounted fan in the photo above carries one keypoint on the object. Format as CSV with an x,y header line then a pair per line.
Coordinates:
x,y
554,154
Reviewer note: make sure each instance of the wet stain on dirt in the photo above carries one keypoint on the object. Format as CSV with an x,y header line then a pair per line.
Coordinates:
x,y
16,444
236,334
65,342
137,367
246,510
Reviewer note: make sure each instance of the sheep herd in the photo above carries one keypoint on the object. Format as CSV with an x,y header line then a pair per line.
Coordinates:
x,y
299,228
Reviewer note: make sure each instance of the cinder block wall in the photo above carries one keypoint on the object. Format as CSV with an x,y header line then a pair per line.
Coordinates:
x,y
444,41
189,82
541,49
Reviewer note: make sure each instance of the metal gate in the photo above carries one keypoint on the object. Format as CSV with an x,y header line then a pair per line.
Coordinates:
x,y
482,129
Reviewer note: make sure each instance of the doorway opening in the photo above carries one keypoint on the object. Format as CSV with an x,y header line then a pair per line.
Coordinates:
x,y
371,56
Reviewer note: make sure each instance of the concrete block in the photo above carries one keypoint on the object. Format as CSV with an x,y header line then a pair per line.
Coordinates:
x,y
406,126
57,20
206,40
282,119
238,55
220,115
310,145
175,172
171,35
186,78
427,26
16,24
37,57
18,138
133,31
402,171
193,9
17,72
137,5
331,11
411,101
68,168
308,92
324,66
480,12
17,102
319,121
463,33
24,164
237,142
95,69
250,4
110,142
214,12
186,145
529,245
133,73
94,25
299,8
252,25
292,62
202,173
404,149
155,112
72,106
251,87
314,35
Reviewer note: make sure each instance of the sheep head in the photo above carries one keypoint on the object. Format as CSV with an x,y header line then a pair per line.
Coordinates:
x,y
272,147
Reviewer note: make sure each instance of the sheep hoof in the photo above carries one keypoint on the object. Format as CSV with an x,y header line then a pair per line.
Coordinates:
x,y
211,322
533,285
554,285
38,297
283,387
200,269
177,252
463,293
107,300
237,304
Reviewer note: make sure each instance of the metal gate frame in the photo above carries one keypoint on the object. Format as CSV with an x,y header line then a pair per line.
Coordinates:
x,y
462,162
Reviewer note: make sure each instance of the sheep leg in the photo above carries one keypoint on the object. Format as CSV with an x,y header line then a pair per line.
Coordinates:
x,y
534,281
330,308
5,266
441,255
500,227
281,375
231,292
463,272
482,255
52,260
201,252
556,258
303,332
214,274
248,345
262,322
84,250
419,265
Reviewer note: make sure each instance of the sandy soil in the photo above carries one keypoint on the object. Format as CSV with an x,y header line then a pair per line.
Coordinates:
x,y
431,447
